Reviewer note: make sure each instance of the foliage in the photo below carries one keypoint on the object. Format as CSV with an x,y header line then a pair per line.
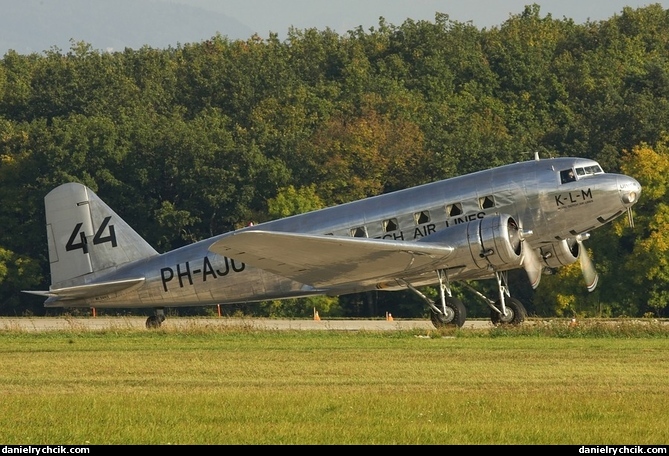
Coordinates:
x,y
323,306
192,141
650,248
290,201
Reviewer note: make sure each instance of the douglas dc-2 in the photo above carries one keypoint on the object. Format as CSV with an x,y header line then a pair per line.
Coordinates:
x,y
532,215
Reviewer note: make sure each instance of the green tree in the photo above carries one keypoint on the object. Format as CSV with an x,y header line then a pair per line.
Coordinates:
x,y
326,306
353,158
290,201
18,272
647,265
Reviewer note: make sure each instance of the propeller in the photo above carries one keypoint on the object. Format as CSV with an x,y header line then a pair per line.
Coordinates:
x,y
531,261
534,266
630,217
587,266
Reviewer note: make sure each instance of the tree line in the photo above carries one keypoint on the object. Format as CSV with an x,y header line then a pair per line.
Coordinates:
x,y
194,140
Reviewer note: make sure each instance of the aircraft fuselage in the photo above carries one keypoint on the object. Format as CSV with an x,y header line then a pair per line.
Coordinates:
x,y
537,194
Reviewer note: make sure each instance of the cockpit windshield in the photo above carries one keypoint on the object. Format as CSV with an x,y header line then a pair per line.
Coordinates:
x,y
567,175
588,170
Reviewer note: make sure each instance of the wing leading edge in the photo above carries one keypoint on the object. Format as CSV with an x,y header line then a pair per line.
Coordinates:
x,y
329,261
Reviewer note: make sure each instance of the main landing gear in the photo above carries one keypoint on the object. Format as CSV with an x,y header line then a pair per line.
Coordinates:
x,y
451,311
154,321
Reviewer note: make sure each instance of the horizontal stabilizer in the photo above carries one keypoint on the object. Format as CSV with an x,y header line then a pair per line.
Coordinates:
x,y
328,261
89,290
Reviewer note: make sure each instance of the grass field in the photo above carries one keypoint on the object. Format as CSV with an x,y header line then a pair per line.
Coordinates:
x,y
551,385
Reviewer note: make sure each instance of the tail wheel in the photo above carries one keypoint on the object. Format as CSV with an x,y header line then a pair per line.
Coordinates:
x,y
515,313
154,321
455,315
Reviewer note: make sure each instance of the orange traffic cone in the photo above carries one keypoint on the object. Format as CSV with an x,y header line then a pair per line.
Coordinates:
x,y
316,317
389,316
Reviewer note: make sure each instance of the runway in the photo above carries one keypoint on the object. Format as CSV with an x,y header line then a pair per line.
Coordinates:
x,y
38,324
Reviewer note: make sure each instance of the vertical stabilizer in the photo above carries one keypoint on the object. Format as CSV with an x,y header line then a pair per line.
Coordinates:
x,y
86,236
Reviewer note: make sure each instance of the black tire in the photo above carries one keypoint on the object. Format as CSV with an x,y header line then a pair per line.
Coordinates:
x,y
154,321
515,310
456,314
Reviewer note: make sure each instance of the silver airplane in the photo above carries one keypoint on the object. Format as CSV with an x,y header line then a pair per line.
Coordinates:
x,y
533,215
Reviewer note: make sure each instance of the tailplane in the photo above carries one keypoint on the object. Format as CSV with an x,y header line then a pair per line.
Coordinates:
x,y
86,236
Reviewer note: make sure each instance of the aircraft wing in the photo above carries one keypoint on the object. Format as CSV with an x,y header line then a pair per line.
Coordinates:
x,y
328,261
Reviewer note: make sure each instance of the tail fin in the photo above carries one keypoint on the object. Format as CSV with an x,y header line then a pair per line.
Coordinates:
x,y
86,236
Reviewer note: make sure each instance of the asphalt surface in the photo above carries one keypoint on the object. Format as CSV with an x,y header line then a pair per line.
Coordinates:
x,y
107,323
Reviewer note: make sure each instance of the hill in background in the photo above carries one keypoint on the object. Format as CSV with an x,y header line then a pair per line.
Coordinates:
x,y
39,25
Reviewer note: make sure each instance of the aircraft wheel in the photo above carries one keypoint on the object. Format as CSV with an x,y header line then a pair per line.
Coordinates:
x,y
515,313
456,314
154,321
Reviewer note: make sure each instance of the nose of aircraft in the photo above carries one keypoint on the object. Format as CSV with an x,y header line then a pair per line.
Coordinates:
x,y
629,189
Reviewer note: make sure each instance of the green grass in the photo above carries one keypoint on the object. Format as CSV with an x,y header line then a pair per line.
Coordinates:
x,y
545,384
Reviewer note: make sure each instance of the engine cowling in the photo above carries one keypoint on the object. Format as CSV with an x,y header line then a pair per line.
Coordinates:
x,y
493,242
560,254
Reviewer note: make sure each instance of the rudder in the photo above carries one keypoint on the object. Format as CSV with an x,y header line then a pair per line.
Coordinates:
x,y
86,236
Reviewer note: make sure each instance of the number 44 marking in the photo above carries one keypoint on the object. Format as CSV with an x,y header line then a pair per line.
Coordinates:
x,y
97,239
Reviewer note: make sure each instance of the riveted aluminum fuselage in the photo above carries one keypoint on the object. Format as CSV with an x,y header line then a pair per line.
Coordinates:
x,y
531,192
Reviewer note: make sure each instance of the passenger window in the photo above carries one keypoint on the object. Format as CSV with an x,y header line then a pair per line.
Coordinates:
x,y
421,217
390,225
359,232
454,209
486,202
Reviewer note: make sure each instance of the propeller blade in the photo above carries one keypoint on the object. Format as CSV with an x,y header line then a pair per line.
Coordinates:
x,y
587,267
532,265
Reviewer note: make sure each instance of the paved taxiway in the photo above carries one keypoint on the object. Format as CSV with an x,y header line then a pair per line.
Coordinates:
x,y
106,323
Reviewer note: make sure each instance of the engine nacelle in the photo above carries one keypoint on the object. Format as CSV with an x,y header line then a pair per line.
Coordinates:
x,y
560,254
493,242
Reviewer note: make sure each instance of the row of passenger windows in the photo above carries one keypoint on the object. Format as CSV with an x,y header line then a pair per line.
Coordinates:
x,y
423,217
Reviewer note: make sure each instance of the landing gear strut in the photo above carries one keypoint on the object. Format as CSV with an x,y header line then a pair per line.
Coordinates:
x,y
506,310
154,321
451,312
515,313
